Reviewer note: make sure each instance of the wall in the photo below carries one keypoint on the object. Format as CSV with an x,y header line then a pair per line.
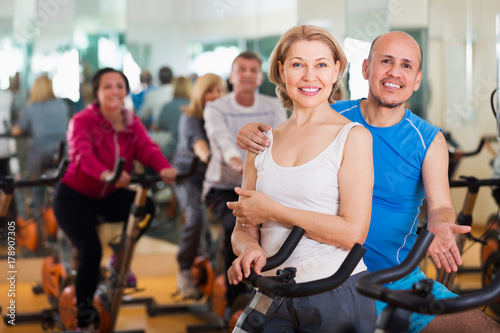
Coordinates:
x,y
470,117
172,25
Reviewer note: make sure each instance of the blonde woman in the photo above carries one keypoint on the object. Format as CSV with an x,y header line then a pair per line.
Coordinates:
x,y
44,120
317,174
193,141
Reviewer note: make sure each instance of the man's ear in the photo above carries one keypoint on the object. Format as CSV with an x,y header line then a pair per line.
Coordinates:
x,y
260,78
418,81
366,69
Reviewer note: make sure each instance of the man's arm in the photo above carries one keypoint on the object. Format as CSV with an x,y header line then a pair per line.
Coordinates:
x,y
441,215
251,138
221,137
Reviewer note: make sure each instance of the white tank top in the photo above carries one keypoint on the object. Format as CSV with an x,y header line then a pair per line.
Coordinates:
x,y
312,186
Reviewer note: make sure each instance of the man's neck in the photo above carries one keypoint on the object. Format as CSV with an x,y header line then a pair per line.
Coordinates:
x,y
245,98
379,116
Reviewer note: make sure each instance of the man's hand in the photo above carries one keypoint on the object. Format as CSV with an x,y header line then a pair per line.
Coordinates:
x,y
443,249
251,138
252,208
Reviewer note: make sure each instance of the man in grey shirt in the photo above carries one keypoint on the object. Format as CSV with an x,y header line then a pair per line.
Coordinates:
x,y
223,119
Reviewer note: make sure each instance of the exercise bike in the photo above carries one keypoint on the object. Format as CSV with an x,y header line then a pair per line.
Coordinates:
x,y
52,278
395,318
284,284
109,295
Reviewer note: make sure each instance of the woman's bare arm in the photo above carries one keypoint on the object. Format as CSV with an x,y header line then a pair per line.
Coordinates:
x,y
246,238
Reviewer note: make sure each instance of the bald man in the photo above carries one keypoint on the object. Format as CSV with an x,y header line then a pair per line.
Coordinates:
x,y
411,163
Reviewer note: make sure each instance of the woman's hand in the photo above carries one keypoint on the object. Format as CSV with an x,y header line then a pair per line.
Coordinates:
x,y
252,208
123,181
16,130
254,257
168,175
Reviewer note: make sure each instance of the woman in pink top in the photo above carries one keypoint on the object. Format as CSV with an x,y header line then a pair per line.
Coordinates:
x,y
97,137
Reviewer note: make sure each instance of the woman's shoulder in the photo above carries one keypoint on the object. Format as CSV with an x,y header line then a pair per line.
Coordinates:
x,y
358,134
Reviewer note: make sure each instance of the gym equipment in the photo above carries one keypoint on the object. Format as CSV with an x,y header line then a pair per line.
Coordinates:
x,y
7,185
284,284
464,217
110,291
37,229
396,316
109,294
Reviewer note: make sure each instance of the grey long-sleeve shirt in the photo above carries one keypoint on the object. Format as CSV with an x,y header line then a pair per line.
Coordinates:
x,y
224,117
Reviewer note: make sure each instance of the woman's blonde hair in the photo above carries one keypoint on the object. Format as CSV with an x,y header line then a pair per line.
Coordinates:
x,y
202,85
41,90
182,87
299,33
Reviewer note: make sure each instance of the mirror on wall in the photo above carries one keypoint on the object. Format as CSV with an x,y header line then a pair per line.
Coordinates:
x,y
70,39
495,103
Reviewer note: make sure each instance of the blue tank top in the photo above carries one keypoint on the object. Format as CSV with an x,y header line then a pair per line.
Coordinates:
x,y
398,154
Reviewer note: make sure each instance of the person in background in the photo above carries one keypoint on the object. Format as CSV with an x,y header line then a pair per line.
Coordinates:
x,y
223,118
155,98
138,94
193,142
6,99
44,120
97,137
168,119
20,98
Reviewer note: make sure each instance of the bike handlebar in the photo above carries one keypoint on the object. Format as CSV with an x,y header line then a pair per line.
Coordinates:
x,y
370,285
286,249
288,287
149,179
8,184
480,146
474,182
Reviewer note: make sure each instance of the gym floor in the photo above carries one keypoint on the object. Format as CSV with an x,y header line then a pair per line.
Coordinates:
x,y
156,269
155,266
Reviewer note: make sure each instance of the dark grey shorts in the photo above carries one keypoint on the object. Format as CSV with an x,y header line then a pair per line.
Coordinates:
x,y
340,310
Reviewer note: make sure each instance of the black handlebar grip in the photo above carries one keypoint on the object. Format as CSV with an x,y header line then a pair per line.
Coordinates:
x,y
117,172
286,249
275,286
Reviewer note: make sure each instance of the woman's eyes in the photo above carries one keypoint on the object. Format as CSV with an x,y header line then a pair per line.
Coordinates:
x,y
301,65
109,86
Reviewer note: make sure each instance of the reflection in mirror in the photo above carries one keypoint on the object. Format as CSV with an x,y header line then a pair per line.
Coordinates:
x,y
70,39
496,102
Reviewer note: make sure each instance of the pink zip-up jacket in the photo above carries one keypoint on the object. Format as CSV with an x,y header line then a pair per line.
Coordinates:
x,y
94,147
